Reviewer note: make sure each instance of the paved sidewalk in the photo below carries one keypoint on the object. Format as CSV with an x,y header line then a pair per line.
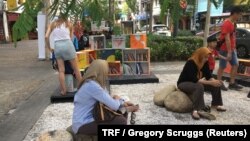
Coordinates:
x,y
26,86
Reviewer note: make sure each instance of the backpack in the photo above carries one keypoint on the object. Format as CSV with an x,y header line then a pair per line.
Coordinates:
x,y
67,65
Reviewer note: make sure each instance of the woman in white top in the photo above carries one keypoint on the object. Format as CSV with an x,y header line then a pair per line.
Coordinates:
x,y
61,31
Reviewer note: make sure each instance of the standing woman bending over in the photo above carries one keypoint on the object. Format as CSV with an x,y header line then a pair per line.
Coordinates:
x,y
62,32
196,78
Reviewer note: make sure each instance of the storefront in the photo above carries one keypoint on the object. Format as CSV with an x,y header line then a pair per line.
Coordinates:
x,y
11,19
2,37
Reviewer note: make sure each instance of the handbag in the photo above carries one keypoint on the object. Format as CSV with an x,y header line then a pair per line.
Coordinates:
x,y
101,112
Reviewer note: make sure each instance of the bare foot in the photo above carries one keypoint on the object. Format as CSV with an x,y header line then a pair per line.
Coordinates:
x,y
132,108
220,109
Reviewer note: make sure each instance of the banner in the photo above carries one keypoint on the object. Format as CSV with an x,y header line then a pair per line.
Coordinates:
x,y
173,132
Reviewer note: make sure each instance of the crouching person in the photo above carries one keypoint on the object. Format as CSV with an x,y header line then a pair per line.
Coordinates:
x,y
196,78
92,90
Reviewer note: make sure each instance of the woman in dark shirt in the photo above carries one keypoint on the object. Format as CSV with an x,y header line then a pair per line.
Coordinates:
x,y
196,78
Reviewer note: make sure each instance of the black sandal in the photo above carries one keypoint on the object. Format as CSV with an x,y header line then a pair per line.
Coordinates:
x,y
206,115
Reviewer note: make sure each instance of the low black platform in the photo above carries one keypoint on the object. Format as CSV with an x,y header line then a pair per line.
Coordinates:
x,y
57,97
242,80
133,79
69,97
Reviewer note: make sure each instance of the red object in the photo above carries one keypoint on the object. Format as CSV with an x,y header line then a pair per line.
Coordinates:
x,y
138,40
78,30
228,68
12,16
228,28
183,4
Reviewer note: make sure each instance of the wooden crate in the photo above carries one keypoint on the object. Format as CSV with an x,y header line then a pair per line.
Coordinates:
x,y
97,42
82,59
243,69
138,41
85,57
136,61
118,42
114,68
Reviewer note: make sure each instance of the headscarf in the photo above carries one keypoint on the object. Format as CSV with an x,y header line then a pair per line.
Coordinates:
x,y
198,56
97,71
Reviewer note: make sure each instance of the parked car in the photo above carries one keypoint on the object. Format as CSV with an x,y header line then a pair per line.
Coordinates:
x,y
157,29
212,29
242,41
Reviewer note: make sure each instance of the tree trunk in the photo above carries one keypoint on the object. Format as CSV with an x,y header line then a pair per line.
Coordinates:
x,y
207,24
111,12
176,26
151,16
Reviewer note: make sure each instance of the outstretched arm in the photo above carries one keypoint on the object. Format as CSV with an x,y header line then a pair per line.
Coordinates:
x,y
47,36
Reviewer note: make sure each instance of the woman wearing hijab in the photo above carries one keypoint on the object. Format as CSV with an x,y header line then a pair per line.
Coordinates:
x,y
196,78
92,90
61,32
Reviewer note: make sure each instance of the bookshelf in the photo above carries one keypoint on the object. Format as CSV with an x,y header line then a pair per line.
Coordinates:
x,y
243,69
136,61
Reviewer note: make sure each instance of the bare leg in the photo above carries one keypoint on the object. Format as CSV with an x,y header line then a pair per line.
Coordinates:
x,y
233,74
61,69
74,65
220,73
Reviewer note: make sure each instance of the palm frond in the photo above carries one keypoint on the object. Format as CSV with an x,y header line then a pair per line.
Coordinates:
x,y
25,22
132,5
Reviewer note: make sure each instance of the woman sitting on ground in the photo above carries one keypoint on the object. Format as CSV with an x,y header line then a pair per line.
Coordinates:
x,y
93,90
196,78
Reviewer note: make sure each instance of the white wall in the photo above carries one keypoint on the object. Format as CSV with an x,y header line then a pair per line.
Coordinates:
x,y
41,23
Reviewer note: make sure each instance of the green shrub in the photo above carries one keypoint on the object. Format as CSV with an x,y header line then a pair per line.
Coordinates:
x,y
185,33
167,48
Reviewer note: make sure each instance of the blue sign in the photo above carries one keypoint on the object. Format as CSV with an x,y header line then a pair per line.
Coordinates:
x,y
202,7
142,16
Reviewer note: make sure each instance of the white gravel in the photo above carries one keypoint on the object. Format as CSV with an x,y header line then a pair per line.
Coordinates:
x,y
58,116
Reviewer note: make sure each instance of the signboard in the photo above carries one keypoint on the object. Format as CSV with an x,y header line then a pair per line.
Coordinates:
x,y
102,27
11,4
202,7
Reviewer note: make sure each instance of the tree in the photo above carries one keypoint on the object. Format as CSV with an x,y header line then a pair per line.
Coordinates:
x,y
207,24
176,12
75,9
